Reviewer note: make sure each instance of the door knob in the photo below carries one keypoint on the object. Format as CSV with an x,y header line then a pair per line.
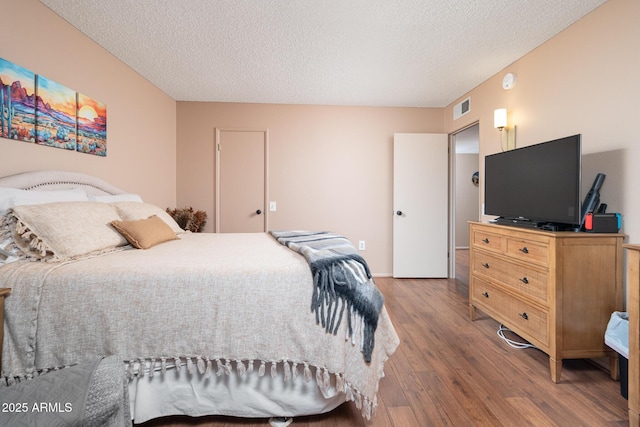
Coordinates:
x,y
399,213
258,211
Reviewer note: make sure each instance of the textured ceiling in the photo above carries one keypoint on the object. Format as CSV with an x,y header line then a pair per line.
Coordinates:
x,y
413,53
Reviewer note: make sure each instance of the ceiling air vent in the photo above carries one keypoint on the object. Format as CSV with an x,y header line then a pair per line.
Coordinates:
x,y
462,108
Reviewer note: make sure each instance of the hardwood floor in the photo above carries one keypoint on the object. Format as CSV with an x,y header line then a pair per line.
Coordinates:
x,y
462,266
449,371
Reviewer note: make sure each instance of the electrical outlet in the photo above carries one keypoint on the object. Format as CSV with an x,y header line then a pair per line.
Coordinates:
x,y
361,245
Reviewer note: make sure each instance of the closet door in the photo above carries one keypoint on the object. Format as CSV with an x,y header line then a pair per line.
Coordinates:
x,y
420,200
241,181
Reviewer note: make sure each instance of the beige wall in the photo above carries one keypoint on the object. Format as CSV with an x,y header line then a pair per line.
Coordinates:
x,y
585,80
141,124
330,168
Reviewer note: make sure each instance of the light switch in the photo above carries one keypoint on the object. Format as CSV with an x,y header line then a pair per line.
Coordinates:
x,y
272,206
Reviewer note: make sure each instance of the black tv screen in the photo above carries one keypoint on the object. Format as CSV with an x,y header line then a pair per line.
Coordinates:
x,y
539,183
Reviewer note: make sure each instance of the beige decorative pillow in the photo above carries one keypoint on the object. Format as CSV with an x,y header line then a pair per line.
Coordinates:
x,y
145,233
64,230
131,211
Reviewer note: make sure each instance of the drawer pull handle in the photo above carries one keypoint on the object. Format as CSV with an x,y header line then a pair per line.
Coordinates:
x,y
486,294
524,250
524,316
486,240
525,280
485,265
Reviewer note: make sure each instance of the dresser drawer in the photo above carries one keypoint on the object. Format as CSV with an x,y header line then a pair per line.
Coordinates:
x,y
486,240
521,278
528,251
515,313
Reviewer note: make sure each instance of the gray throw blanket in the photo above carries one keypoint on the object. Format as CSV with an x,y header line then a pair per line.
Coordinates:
x,y
342,280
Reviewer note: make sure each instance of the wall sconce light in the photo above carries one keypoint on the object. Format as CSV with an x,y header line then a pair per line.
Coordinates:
x,y
508,134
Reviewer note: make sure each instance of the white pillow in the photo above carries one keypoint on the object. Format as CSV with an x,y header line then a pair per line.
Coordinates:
x,y
116,198
131,211
6,202
10,197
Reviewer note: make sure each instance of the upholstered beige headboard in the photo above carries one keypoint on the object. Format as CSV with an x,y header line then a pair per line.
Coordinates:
x,y
59,180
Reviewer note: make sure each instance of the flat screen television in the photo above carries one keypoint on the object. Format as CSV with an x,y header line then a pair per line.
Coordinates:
x,y
536,186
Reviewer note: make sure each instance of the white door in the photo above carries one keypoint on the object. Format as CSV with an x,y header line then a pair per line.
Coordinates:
x,y
241,177
420,200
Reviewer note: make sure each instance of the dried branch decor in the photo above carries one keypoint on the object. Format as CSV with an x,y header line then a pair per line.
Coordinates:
x,y
188,219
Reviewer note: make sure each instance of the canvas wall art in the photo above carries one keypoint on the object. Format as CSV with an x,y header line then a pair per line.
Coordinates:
x,y
36,109
55,114
92,126
17,102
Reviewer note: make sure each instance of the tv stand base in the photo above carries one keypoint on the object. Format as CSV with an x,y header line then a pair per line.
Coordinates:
x,y
518,222
527,223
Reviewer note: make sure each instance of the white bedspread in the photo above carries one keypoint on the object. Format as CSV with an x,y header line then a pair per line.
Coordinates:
x,y
218,303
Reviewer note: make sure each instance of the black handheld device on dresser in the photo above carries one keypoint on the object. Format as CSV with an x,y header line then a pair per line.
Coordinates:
x,y
592,200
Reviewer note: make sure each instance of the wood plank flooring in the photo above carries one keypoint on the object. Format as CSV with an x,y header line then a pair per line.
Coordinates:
x,y
449,371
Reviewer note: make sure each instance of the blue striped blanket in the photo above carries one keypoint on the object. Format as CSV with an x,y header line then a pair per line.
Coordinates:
x,y
342,280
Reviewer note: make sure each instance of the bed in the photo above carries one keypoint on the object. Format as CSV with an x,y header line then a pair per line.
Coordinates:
x,y
203,323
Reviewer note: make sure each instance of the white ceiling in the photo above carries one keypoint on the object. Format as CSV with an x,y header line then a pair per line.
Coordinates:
x,y
411,53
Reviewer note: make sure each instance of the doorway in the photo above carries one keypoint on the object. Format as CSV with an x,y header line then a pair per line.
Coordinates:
x,y
465,197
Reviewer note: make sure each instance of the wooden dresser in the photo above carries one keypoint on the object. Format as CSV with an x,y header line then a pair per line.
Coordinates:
x,y
557,290
633,307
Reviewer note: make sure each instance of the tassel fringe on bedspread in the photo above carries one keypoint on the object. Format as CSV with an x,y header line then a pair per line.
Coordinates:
x,y
209,367
342,280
